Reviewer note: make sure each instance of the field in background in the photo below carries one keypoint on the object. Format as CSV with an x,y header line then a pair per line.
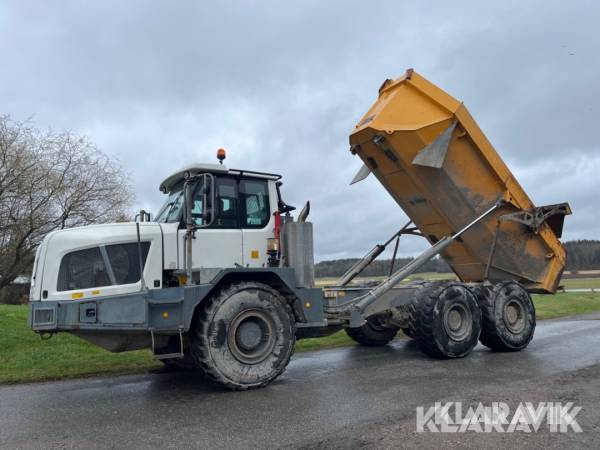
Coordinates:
x,y
582,281
417,276
25,357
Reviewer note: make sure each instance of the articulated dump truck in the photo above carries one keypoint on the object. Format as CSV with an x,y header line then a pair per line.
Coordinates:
x,y
221,280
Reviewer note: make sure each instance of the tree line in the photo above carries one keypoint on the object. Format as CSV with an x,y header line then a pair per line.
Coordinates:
x,y
583,254
337,267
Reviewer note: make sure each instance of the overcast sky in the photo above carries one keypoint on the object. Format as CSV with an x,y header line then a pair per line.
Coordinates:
x,y
280,85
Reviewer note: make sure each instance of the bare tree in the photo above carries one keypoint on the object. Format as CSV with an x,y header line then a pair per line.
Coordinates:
x,y
50,181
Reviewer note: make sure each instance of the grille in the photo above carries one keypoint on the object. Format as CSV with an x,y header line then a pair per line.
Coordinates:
x,y
43,316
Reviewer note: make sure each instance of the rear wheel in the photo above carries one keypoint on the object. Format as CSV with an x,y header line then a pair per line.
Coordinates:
x,y
244,337
416,284
445,319
508,316
372,333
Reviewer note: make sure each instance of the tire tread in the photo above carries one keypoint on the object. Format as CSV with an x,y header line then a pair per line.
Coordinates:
x,y
199,337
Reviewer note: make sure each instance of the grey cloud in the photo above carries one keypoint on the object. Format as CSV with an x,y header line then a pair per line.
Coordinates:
x,y
281,85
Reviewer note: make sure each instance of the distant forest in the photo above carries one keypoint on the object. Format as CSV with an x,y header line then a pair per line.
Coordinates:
x,y
581,255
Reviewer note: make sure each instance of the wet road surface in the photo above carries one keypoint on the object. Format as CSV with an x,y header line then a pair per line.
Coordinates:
x,y
321,400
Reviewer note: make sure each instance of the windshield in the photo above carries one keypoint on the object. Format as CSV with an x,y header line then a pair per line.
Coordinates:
x,y
171,210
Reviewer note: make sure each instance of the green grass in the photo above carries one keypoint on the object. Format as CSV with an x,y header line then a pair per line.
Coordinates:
x,y
565,304
25,357
338,339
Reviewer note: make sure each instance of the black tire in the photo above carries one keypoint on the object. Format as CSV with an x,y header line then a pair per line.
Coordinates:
x,y
414,284
185,363
407,333
508,316
372,333
445,319
244,336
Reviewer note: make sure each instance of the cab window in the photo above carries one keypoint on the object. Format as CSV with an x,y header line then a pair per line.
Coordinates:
x,y
254,198
226,214
238,203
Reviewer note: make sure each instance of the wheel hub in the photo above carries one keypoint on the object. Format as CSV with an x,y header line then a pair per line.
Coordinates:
x,y
514,316
250,336
458,321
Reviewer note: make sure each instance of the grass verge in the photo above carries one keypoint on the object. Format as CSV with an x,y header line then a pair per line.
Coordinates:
x,y
566,304
24,357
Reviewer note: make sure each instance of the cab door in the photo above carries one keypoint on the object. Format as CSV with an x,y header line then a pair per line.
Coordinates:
x,y
218,246
257,222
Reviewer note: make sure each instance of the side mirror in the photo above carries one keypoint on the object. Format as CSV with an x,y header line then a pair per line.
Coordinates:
x,y
143,216
199,192
207,185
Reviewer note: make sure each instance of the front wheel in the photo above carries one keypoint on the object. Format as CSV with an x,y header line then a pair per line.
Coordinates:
x,y
244,336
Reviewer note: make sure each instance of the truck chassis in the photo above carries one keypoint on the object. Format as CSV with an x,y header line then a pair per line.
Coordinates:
x,y
166,320
239,326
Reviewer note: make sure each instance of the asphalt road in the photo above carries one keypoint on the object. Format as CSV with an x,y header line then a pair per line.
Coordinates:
x,y
351,397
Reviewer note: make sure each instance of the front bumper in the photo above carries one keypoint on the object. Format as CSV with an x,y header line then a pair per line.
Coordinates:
x,y
163,310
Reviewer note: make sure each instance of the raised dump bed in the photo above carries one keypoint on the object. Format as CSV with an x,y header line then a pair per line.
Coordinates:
x,y
434,160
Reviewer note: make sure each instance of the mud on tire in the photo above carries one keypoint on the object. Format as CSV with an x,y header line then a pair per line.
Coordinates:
x,y
244,336
508,316
372,333
445,319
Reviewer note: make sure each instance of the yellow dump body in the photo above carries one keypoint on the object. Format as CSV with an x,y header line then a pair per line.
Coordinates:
x,y
431,156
